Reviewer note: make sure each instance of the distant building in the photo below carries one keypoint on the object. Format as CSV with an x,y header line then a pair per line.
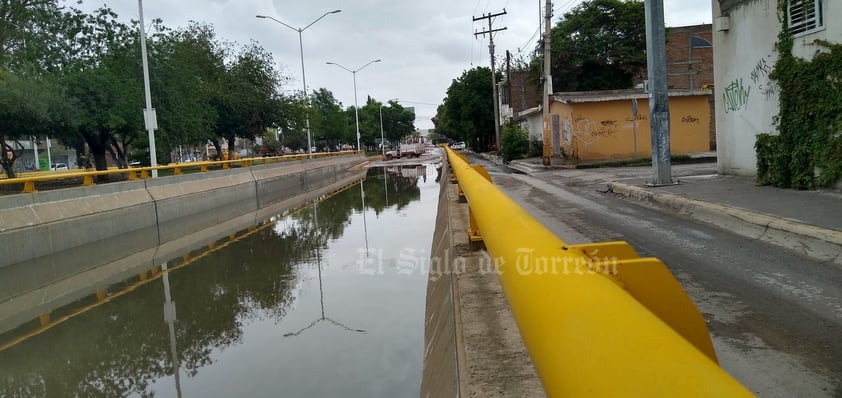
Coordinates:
x,y
689,57
690,67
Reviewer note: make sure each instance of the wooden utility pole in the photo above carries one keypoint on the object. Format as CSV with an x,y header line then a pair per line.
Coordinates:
x,y
490,32
548,85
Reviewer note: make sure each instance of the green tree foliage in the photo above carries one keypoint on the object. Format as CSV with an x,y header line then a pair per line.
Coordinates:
x,y
203,89
514,142
599,45
398,122
247,99
186,68
20,30
27,104
328,122
102,84
467,113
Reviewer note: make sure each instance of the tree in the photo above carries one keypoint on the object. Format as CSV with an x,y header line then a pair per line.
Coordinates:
x,y
185,68
599,45
246,98
467,113
26,106
514,142
20,29
398,122
328,123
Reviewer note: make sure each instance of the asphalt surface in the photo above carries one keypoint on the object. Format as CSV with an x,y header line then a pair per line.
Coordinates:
x,y
775,316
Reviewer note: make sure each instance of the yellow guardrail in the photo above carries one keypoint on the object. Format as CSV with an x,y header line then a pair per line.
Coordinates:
x,y
597,320
134,173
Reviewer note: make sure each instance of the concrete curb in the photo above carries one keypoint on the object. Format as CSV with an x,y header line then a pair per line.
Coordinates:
x,y
822,244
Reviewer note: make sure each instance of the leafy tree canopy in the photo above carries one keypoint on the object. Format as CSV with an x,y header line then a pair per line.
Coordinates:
x,y
467,113
599,45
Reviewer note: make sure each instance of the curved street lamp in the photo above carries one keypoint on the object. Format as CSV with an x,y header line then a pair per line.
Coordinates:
x,y
356,108
303,77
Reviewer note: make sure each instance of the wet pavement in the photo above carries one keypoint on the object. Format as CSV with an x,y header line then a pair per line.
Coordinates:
x,y
327,300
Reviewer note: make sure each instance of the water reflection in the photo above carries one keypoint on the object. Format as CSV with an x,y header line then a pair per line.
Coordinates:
x,y
169,318
236,298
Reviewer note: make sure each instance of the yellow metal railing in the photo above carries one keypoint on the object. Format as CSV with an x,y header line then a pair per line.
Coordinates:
x,y
134,173
597,320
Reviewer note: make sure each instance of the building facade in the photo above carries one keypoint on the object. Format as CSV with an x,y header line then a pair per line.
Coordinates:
x,y
744,36
600,125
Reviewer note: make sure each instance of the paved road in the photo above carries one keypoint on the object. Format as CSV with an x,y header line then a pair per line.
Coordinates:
x,y
775,317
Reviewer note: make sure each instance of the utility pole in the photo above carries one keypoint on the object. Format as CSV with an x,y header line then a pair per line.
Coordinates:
x,y
658,93
490,33
548,85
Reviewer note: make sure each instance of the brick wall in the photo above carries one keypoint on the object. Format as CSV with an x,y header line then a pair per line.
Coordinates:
x,y
523,92
685,65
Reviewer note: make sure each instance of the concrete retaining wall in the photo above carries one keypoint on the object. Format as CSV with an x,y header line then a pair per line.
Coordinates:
x,y
472,345
440,375
47,236
30,303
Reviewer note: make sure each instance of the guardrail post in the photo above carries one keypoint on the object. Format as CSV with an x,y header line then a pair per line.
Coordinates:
x,y
473,231
177,171
144,174
28,186
225,166
87,180
203,168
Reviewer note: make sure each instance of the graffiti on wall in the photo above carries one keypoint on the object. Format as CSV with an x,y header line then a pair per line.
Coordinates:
x,y
640,116
736,95
761,70
590,131
760,77
690,119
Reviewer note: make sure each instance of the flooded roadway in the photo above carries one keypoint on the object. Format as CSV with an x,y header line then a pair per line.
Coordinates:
x,y
324,301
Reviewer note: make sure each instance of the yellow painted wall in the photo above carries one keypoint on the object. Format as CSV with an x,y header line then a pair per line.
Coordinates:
x,y
605,129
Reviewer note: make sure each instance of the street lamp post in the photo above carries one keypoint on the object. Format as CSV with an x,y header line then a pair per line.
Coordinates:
x,y
382,137
150,120
303,77
356,107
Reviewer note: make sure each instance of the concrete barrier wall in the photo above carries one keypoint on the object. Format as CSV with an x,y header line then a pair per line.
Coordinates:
x,y
57,293
46,236
440,375
472,345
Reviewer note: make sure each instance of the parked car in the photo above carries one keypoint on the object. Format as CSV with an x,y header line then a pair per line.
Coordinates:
x,y
459,145
58,166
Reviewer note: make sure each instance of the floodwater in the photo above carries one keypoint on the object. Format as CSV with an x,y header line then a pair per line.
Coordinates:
x,y
324,301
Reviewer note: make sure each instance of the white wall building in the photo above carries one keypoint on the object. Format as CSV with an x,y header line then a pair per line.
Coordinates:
x,y
744,37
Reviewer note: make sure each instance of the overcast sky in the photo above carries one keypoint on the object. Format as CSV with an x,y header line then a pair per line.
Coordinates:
x,y
423,45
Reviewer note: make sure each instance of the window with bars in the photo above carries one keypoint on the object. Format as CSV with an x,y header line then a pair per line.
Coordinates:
x,y
805,16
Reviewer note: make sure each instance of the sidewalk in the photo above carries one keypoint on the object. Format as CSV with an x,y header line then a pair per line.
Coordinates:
x,y
807,222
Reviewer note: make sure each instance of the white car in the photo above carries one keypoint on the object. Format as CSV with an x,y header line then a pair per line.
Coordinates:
x,y
459,145
58,166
